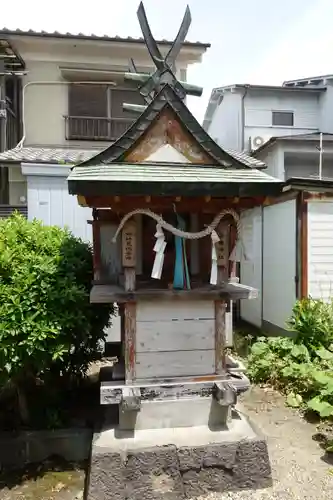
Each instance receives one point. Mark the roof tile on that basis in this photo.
(160, 172)
(91, 36)
(38, 154)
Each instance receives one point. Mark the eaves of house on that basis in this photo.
(312, 137)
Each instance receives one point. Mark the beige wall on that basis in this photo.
(46, 103)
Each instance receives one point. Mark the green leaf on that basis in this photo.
(300, 351)
(321, 377)
(259, 348)
(324, 408)
(324, 354)
(294, 400)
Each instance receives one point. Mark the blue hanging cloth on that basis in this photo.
(181, 278)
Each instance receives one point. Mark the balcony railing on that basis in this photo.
(7, 210)
(86, 128)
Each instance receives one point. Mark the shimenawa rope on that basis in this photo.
(178, 232)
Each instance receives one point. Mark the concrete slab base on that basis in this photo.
(178, 463)
(186, 412)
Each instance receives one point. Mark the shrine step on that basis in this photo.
(175, 464)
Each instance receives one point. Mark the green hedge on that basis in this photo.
(48, 328)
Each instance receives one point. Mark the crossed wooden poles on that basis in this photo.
(165, 66)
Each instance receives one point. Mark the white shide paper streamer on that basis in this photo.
(213, 272)
(159, 249)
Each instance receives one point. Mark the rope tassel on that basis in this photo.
(159, 249)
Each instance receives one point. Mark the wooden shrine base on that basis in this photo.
(227, 291)
(175, 464)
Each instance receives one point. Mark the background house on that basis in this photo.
(64, 104)
(290, 238)
(70, 91)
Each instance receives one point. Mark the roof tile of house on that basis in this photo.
(91, 36)
(39, 154)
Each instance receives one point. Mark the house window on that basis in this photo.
(95, 111)
(283, 118)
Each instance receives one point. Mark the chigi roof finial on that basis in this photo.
(165, 66)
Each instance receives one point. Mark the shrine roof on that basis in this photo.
(166, 151)
(167, 98)
(170, 179)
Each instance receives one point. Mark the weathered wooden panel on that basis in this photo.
(175, 364)
(175, 335)
(168, 130)
(230, 291)
(186, 309)
(110, 252)
(129, 244)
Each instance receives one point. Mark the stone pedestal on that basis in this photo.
(177, 463)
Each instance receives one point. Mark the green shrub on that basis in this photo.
(307, 380)
(48, 327)
(312, 321)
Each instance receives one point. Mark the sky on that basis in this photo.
(253, 41)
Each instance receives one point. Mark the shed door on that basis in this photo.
(50, 202)
(279, 263)
(320, 249)
(251, 268)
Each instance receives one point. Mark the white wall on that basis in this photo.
(49, 201)
(260, 104)
(308, 168)
(273, 157)
(326, 106)
(320, 249)
(251, 268)
(279, 262)
(226, 125)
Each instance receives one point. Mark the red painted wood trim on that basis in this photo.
(304, 246)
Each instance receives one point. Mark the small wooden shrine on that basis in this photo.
(166, 205)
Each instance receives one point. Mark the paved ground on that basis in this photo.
(299, 469)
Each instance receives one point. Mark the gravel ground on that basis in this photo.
(300, 469)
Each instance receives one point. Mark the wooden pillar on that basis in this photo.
(130, 341)
(220, 309)
(129, 317)
(303, 230)
(96, 233)
(220, 306)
